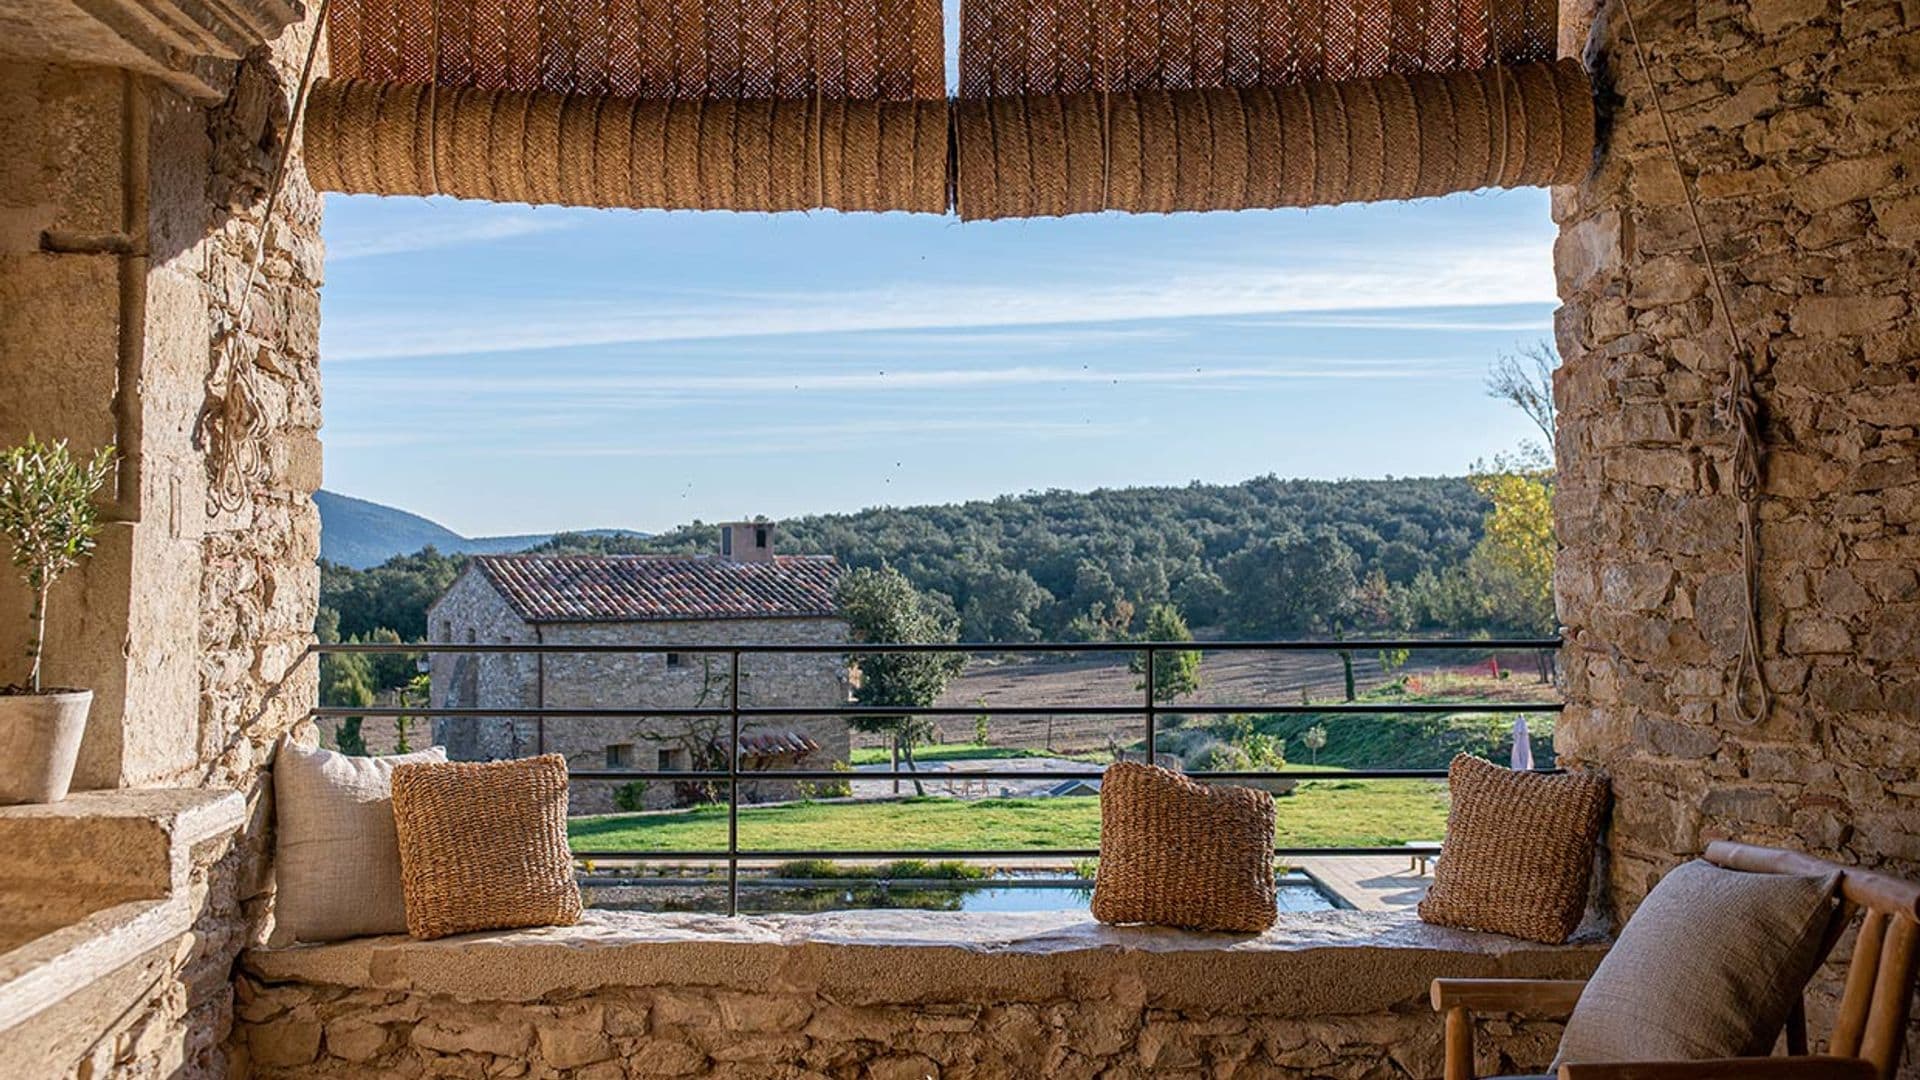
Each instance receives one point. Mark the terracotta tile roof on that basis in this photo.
(642, 588)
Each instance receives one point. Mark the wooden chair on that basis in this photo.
(1869, 1030)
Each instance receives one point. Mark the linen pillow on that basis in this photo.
(336, 858)
(1518, 855)
(1708, 967)
(483, 846)
(1177, 853)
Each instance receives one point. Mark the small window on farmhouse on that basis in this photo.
(760, 538)
(726, 540)
(472, 636)
(620, 756)
(674, 660)
(446, 631)
(673, 760)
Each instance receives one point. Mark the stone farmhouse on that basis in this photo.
(744, 594)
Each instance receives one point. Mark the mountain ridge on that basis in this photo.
(361, 533)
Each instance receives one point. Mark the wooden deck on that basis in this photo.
(1368, 882)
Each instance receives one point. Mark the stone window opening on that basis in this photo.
(675, 759)
(620, 756)
(675, 660)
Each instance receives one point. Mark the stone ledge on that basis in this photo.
(92, 883)
(1335, 963)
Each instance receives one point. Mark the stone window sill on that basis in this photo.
(1328, 963)
(92, 883)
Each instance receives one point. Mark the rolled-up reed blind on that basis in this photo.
(1074, 106)
(578, 150)
(1361, 140)
(675, 104)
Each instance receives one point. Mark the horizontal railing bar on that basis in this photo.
(720, 777)
(783, 855)
(1063, 647)
(1420, 708)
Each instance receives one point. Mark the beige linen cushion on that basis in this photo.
(336, 858)
(1519, 851)
(483, 846)
(1708, 967)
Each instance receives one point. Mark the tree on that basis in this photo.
(1289, 585)
(347, 738)
(1000, 604)
(1514, 560)
(882, 607)
(1175, 673)
(344, 684)
(1526, 381)
(1315, 740)
(48, 518)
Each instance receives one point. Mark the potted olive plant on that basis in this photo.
(47, 515)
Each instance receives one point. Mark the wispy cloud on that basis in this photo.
(367, 244)
(1461, 321)
(610, 388)
(793, 438)
(1478, 279)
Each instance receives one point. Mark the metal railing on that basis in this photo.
(1149, 710)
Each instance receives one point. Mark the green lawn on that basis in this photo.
(1320, 813)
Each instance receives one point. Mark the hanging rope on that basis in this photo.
(1739, 409)
(233, 424)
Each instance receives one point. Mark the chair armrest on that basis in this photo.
(1755, 1068)
(1541, 997)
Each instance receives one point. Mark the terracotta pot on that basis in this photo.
(39, 741)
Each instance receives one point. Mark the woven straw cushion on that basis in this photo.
(483, 846)
(1708, 967)
(1518, 853)
(336, 859)
(1177, 853)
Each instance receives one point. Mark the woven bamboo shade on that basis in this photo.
(866, 50)
(1073, 46)
(579, 150)
(1364, 140)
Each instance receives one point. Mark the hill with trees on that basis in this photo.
(1263, 558)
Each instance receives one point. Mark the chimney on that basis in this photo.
(747, 541)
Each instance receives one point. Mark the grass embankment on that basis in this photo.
(1421, 741)
(877, 755)
(1320, 813)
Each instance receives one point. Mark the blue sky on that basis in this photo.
(512, 369)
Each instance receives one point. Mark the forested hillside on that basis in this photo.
(1267, 558)
(1263, 558)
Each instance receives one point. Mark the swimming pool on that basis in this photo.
(1296, 893)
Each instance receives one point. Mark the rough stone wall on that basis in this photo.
(1799, 118)
(473, 611)
(167, 1015)
(127, 216)
(306, 1031)
(700, 680)
(888, 994)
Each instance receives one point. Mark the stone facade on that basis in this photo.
(1799, 118)
(128, 216)
(473, 611)
(903, 995)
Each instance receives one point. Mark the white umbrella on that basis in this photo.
(1522, 745)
